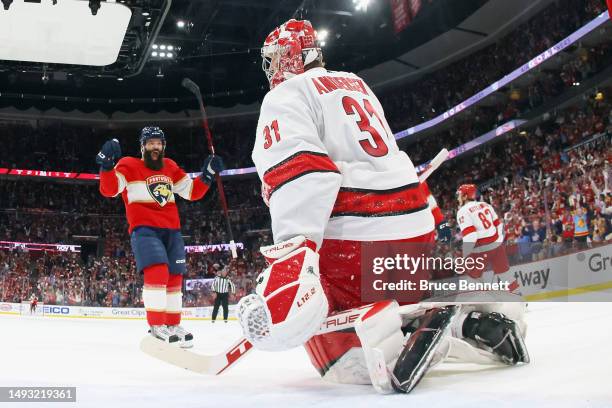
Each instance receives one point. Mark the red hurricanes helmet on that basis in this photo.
(288, 49)
(468, 190)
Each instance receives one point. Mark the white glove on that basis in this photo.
(289, 304)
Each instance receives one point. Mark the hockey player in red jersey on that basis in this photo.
(148, 186)
(334, 177)
(33, 304)
(482, 231)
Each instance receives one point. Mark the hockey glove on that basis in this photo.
(444, 232)
(289, 305)
(109, 154)
(212, 165)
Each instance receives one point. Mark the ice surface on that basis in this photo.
(570, 345)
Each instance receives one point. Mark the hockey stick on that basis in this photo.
(215, 364)
(433, 165)
(199, 363)
(195, 89)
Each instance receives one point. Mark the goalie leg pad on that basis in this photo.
(338, 357)
(359, 345)
(420, 350)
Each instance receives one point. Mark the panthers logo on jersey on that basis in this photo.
(160, 188)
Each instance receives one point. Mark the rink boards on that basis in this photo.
(120, 313)
(555, 279)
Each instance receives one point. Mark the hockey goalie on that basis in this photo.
(333, 177)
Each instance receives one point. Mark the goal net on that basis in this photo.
(26, 309)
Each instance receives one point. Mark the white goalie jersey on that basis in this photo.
(330, 166)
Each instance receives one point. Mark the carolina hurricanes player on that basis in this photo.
(148, 186)
(482, 231)
(334, 177)
(33, 304)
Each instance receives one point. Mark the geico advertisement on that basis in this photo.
(56, 310)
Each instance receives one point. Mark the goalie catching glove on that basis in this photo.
(289, 304)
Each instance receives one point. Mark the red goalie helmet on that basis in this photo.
(468, 190)
(288, 49)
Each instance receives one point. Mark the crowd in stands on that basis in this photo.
(60, 147)
(551, 183)
(445, 88)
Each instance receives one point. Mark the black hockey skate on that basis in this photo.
(418, 352)
(497, 334)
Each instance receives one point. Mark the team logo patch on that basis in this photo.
(160, 188)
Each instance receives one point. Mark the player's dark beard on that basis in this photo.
(150, 162)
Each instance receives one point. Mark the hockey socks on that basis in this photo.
(162, 296)
(174, 300)
(154, 293)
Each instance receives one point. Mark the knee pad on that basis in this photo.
(338, 357)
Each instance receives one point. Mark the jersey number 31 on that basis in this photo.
(351, 106)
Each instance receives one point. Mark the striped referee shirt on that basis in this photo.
(223, 285)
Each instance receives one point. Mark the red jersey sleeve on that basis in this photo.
(113, 182)
(184, 186)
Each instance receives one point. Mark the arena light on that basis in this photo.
(162, 51)
(180, 24)
(361, 5)
(322, 35)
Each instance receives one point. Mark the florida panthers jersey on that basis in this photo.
(480, 225)
(148, 194)
(330, 166)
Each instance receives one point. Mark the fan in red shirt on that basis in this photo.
(148, 186)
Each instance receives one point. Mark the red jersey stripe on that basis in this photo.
(379, 203)
(296, 166)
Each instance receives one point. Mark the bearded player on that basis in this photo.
(148, 186)
(482, 232)
(334, 177)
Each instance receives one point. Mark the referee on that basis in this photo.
(222, 286)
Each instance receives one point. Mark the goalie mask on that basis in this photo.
(288, 49)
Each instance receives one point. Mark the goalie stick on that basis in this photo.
(215, 364)
(433, 165)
